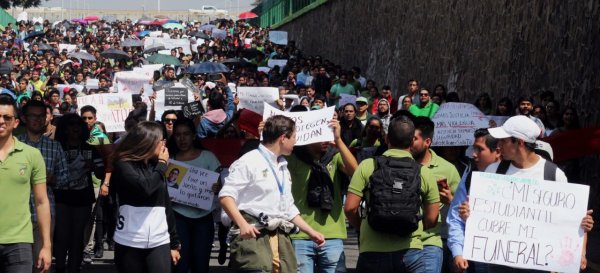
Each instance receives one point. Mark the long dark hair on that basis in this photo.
(140, 143)
(172, 144)
(69, 120)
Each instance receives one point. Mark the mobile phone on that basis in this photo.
(442, 183)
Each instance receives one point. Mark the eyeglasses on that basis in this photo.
(88, 118)
(7, 118)
(424, 95)
(170, 120)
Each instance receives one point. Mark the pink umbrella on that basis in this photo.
(247, 15)
(81, 21)
(91, 18)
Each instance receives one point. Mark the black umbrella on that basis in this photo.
(208, 68)
(199, 34)
(34, 34)
(153, 49)
(113, 53)
(5, 67)
(250, 53)
(237, 62)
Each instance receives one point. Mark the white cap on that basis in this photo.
(520, 127)
(543, 146)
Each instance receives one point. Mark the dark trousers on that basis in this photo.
(408, 260)
(15, 258)
(139, 260)
(69, 236)
(105, 220)
(196, 236)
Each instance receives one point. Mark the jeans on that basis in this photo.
(69, 236)
(408, 260)
(327, 259)
(15, 258)
(143, 260)
(433, 258)
(196, 237)
(493, 268)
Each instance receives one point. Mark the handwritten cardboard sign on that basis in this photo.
(189, 185)
(176, 96)
(253, 98)
(131, 82)
(169, 100)
(455, 124)
(278, 37)
(112, 109)
(525, 223)
(311, 126)
(192, 109)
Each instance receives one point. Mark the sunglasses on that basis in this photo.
(170, 120)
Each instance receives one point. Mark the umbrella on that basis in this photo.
(34, 34)
(160, 16)
(237, 62)
(153, 49)
(91, 18)
(6, 67)
(207, 67)
(113, 53)
(172, 21)
(219, 34)
(143, 33)
(44, 47)
(247, 15)
(81, 21)
(163, 59)
(207, 27)
(250, 53)
(172, 26)
(132, 42)
(200, 35)
(82, 55)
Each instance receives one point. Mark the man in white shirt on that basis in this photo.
(257, 197)
(517, 144)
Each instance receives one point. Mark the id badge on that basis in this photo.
(282, 203)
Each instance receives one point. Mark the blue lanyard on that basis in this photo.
(280, 184)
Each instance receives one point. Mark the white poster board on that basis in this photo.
(455, 124)
(253, 98)
(150, 42)
(346, 98)
(189, 185)
(497, 121)
(280, 63)
(525, 223)
(69, 47)
(112, 109)
(131, 82)
(311, 126)
(159, 104)
(278, 37)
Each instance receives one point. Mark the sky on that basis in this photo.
(230, 5)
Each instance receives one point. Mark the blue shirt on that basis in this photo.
(456, 225)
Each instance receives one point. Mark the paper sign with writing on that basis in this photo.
(311, 126)
(346, 98)
(176, 96)
(70, 48)
(192, 109)
(455, 124)
(91, 84)
(525, 223)
(112, 109)
(150, 42)
(131, 82)
(160, 103)
(278, 37)
(280, 63)
(189, 185)
(253, 98)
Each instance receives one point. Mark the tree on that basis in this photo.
(6, 4)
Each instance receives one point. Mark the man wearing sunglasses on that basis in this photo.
(426, 108)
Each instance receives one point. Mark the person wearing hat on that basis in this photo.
(517, 143)
(363, 114)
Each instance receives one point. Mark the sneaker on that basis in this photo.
(99, 252)
(87, 258)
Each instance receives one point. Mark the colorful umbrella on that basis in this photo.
(172, 26)
(247, 15)
(91, 18)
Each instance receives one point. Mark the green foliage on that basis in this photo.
(6, 4)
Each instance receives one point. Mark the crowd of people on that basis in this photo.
(286, 207)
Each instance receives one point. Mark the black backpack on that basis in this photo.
(394, 200)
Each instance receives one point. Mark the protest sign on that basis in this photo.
(281, 63)
(278, 37)
(131, 82)
(525, 223)
(264, 69)
(253, 98)
(455, 124)
(175, 99)
(112, 109)
(311, 126)
(497, 121)
(150, 42)
(189, 185)
(192, 109)
(91, 84)
(346, 98)
(176, 96)
(69, 47)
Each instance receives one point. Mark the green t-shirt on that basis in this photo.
(428, 111)
(23, 168)
(439, 167)
(337, 90)
(331, 224)
(373, 241)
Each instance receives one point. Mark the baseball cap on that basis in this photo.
(544, 149)
(520, 127)
(362, 99)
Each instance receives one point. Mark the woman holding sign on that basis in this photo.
(195, 226)
(145, 237)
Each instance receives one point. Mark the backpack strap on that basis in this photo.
(503, 167)
(550, 171)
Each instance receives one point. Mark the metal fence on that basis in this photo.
(274, 13)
